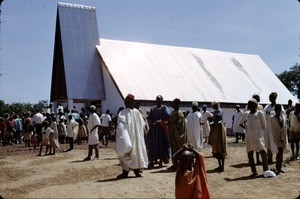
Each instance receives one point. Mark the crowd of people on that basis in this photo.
(267, 131)
(144, 140)
(43, 126)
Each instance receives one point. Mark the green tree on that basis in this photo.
(21, 108)
(40, 105)
(3, 107)
(291, 79)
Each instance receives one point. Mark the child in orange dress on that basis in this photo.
(191, 180)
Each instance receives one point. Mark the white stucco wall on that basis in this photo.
(113, 99)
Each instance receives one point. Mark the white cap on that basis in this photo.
(195, 103)
(93, 107)
(269, 174)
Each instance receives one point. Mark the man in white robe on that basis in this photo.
(130, 143)
(205, 122)
(236, 128)
(93, 124)
(194, 132)
(269, 140)
(255, 124)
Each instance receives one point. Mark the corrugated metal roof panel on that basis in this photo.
(147, 70)
(79, 36)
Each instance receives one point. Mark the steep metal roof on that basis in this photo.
(147, 70)
(76, 70)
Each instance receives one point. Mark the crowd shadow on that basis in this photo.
(110, 158)
(214, 171)
(162, 169)
(209, 156)
(115, 179)
(240, 165)
(243, 178)
(77, 161)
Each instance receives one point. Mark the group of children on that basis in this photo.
(49, 137)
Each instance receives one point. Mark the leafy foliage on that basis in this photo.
(21, 108)
(291, 79)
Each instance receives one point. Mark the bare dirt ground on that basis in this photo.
(65, 175)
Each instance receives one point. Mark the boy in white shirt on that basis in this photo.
(71, 128)
(93, 124)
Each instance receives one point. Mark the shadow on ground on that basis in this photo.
(243, 178)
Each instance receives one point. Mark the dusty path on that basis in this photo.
(65, 175)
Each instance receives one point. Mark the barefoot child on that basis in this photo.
(45, 137)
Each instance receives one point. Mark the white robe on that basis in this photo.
(55, 134)
(131, 152)
(204, 120)
(294, 122)
(269, 139)
(93, 121)
(255, 129)
(72, 128)
(279, 133)
(194, 132)
(236, 128)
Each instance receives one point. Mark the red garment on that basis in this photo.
(12, 122)
(163, 124)
(192, 184)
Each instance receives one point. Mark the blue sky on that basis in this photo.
(268, 28)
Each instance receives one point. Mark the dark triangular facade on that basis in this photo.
(58, 83)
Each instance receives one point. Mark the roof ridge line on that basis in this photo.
(62, 4)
